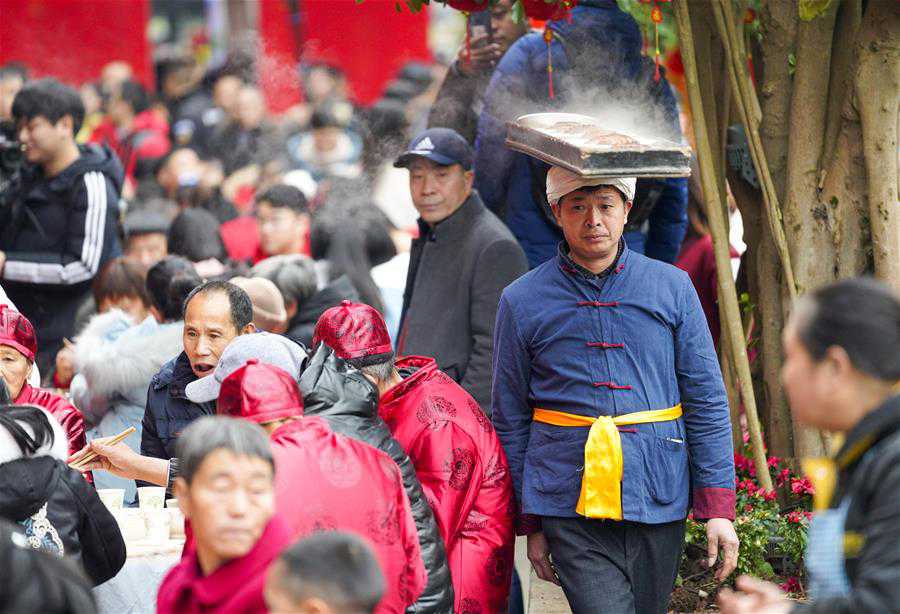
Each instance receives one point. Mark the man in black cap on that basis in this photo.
(461, 262)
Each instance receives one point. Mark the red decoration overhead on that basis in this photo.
(548, 11)
(469, 6)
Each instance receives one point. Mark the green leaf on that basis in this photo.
(518, 12)
(810, 9)
(792, 64)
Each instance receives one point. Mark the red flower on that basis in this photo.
(769, 495)
(783, 476)
(774, 461)
(798, 516)
(792, 585)
(748, 508)
(802, 486)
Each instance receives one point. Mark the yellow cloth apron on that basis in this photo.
(601, 484)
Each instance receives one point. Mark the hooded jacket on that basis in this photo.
(343, 396)
(57, 235)
(464, 475)
(596, 53)
(302, 325)
(115, 361)
(58, 510)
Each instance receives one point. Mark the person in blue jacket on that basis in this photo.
(609, 403)
(598, 70)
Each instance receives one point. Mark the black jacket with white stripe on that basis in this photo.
(57, 234)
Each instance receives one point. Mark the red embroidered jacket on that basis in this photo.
(325, 481)
(465, 476)
(67, 414)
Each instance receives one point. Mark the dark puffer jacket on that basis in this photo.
(74, 514)
(342, 395)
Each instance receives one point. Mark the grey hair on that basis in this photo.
(210, 433)
(379, 367)
(294, 275)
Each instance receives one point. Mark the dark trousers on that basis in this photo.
(614, 567)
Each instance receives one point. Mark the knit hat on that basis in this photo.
(17, 332)
(268, 304)
(353, 330)
(260, 393)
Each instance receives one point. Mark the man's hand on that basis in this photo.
(122, 461)
(539, 555)
(482, 56)
(754, 597)
(720, 534)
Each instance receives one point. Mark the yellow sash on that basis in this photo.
(601, 484)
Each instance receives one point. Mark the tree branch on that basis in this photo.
(849, 17)
(718, 229)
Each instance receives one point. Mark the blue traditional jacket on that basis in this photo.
(635, 339)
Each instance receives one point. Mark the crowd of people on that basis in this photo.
(364, 348)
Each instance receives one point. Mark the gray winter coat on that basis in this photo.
(457, 271)
(116, 360)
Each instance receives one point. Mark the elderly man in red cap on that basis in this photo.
(327, 482)
(453, 446)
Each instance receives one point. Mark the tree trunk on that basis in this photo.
(806, 219)
(878, 96)
(779, 22)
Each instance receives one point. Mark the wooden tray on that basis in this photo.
(580, 144)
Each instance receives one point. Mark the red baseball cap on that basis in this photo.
(260, 393)
(353, 330)
(17, 332)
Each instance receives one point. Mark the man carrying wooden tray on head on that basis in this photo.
(609, 402)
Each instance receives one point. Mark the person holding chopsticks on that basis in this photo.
(610, 405)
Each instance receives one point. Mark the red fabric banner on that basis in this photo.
(73, 39)
(369, 41)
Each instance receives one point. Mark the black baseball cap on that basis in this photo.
(441, 145)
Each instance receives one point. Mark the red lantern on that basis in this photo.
(469, 6)
(548, 11)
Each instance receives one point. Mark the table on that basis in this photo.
(133, 590)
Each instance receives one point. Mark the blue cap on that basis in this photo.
(441, 145)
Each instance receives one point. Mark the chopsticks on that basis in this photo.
(91, 455)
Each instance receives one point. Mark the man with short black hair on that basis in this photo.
(458, 266)
(325, 573)
(58, 221)
(226, 490)
(282, 215)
